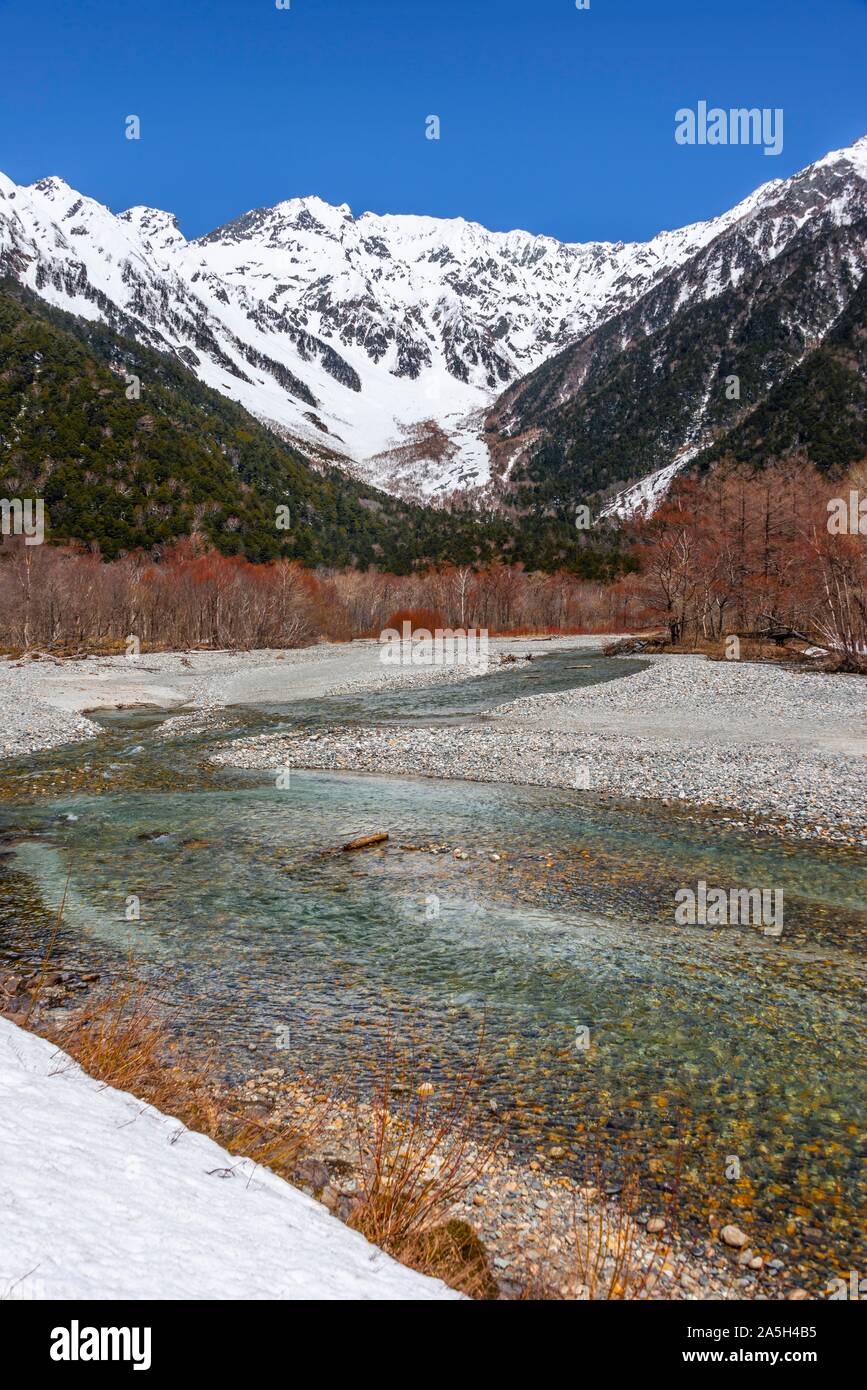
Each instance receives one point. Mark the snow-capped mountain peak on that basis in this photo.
(157, 229)
(854, 155)
(377, 339)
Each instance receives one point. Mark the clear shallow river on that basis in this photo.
(704, 1043)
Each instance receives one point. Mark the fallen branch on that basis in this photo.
(365, 841)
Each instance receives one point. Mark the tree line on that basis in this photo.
(733, 552)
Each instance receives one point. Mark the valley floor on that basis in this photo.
(43, 700)
(782, 749)
(759, 744)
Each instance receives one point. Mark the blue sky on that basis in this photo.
(552, 119)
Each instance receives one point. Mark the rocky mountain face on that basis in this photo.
(433, 357)
(129, 472)
(625, 408)
(816, 413)
(126, 471)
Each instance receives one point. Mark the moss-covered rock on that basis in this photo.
(454, 1253)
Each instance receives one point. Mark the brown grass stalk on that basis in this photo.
(419, 1154)
(124, 1039)
(614, 1258)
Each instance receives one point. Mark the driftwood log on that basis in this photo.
(365, 841)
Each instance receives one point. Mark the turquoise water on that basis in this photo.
(703, 1042)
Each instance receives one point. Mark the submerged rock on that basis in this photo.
(733, 1236)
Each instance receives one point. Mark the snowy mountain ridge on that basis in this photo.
(376, 341)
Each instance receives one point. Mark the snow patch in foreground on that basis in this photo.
(105, 1197)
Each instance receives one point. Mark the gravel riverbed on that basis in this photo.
(28, 724)
(534, 1220)
(44, 698)
(757, 743)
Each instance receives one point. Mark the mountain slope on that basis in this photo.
(817, 414)
(378, 341)
(182, 459)
(140, 473)
(382, 342)
(350, 333)
(694, 356)
(650, 408)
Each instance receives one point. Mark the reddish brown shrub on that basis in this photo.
(427, 619)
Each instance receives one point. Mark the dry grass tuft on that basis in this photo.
(615, 1257)
(454, 1253)
(124, 1039)
(418, 1155)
